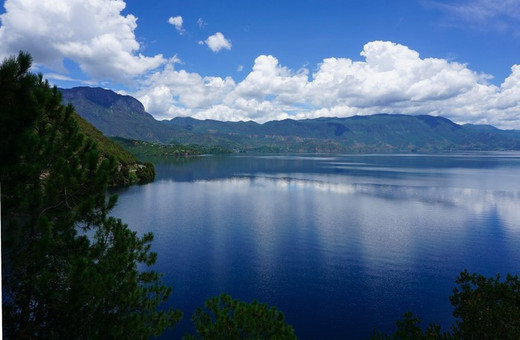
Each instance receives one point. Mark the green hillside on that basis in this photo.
(129, 169)
(153, 151)
(381, 133)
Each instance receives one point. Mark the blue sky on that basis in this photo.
(264, 60)
(302, 33)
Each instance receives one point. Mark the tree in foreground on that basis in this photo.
(69, 270)
(409, 328)
(228, 318)
(485, 308)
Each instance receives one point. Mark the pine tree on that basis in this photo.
(69, 270)
(228, 318)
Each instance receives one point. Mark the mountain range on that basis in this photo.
(124, 116)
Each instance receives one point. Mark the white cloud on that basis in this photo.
(201, 23)
(501, 15)
(64, 78)
(61, 77)
(217, 41)
(270, 80)
(171, 92)
(392, 78)
(92, 33)
(391, 74)
(177, 23)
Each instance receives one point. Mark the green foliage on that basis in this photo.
(409, 329)
(121, 301)
(105, 145)
(69, 271)
(129, 169)
(134, 173)
(145, 172)
(15, 82)
(485, 308)
(149, 150)
(227, 318)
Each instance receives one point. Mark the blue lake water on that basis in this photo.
(342, 244)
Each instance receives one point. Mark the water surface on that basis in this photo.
(341, 244)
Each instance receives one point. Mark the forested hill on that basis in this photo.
(124, 116)
(374, 133)
(129, 169)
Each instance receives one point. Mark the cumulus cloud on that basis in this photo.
(391, 78)
(391, 74)
(269, 79)
(172, 92)
(92, 33)
(217, 42)
(177, 23)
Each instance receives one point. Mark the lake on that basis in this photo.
(342, 244)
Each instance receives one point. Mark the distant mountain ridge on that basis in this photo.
(374, 133)
(117, 115)
(124, 116)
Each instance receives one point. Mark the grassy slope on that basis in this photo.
(105, 145)
(130, 170)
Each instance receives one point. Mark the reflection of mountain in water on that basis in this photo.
(390, 166)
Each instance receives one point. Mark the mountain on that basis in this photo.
(117, 115)
(124, 116)
(129, 169)
(374, 133)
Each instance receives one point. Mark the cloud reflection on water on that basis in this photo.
(477, 201)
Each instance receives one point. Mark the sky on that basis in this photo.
(267, 60)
